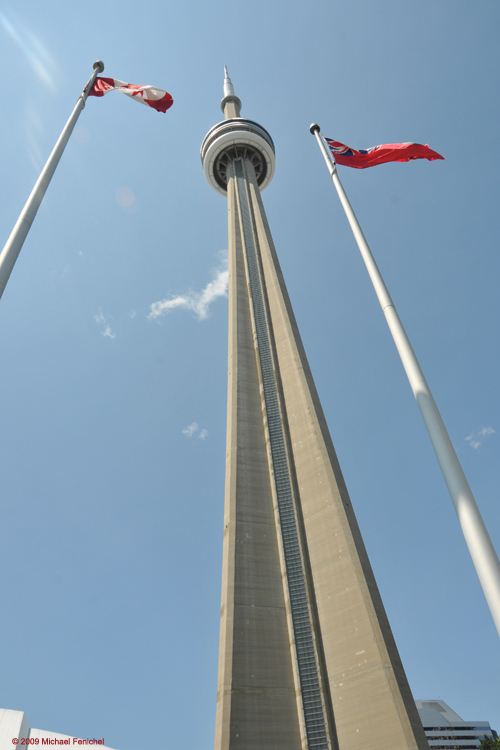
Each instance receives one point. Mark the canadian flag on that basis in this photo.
(149, 95)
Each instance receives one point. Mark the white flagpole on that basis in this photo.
(15, 242)
(478, 541)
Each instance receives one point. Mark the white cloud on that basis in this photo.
(475, 439)
(108, 332)
(487, 431)
(190, 429)
(473, 443)
(198, 302)
(101, 321)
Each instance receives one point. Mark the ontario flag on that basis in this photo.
(149, 95)
(370, 157)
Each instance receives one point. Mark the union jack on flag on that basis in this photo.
(370, 157)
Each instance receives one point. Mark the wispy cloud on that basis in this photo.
(192, 429)
(198, 302)
(475, 439)
(108, 332)
(101, 321)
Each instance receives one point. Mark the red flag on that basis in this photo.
(370, 157)
(149, 95)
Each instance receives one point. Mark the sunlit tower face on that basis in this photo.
(307, 658)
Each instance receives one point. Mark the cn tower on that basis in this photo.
(307, 659)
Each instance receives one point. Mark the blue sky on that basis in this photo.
(112, 444)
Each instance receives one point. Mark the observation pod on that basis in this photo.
(236, 138)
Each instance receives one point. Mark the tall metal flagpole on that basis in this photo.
(15, 242)
(478, 541)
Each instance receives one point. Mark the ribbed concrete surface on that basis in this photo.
(256, 702)
(371, 699)
(368, 702)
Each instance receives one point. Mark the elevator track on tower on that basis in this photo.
(314, 716)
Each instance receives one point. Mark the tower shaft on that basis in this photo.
(256, 700)
(307, 658)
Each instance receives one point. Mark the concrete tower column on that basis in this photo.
(307, 659)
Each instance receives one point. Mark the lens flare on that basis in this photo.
(36, 53)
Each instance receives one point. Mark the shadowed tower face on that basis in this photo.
(307, 658)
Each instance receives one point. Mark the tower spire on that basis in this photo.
(228, 86)
(231, 104)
